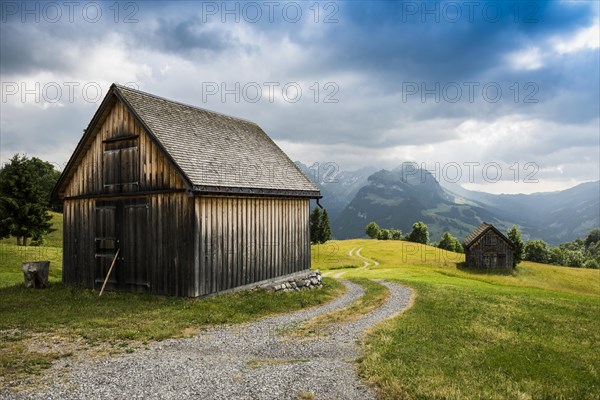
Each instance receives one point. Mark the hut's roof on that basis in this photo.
(215, 153)
(474, 236)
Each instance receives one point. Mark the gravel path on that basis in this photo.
(250, 361)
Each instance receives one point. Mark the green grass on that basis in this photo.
(375, 295)
(532, 333)
(334, 255)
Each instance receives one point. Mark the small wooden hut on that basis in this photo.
(195, 202)
(486, 247)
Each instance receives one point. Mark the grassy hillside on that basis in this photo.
(529, 333)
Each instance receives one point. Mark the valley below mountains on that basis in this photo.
(399, 197)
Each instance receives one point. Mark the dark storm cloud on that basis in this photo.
(381, 38)
(372, 51)
(46, 47)
(186, 36)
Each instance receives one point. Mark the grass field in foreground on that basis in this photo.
(532, 333)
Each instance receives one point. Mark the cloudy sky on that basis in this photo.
(501, 96)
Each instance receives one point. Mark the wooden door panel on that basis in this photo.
(122, 225)
(135, 245)
(106, 242)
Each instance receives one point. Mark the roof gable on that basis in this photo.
(213, 153)
(88, 144)
(216, 152)
(481, 230)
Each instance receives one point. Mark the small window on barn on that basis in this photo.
(120, 164)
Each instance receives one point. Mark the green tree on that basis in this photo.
(48, 176)
(514, 235)
(384, 234)
(574, 258)
(395, 234)
(576, 245)
(537, 251)
(324, 228)
(372, 230)
(579, 252)
(556, 256)
(450, 243)
(5, 220)
(593, 251)
(315, 225)
(24, 200)
(593, 237)
(419, 233)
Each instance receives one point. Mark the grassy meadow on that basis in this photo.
(531, 333)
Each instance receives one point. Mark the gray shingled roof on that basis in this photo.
(479, 231)
(216, 152)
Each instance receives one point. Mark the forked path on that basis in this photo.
(250, 361)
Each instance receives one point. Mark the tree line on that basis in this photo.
(580, 253)
(418, 234)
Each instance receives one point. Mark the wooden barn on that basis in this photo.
(486, 247)
(193, 201)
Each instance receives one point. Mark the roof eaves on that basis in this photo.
(227, 190)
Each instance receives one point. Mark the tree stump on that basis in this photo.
(36, 274)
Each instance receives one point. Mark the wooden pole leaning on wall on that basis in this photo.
(109, 271)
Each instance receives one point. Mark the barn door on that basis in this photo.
(107, 243)
(122, 225)
(134, 250)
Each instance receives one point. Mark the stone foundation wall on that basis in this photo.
(301, 281)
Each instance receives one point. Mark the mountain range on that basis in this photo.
(399, 197)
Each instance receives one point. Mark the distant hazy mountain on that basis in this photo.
(555, 217)
(402, 196)
(337, 187)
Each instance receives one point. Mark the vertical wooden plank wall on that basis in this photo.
(170, 244)
(242, 240)
(79, 242)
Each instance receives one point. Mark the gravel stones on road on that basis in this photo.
(256, 360)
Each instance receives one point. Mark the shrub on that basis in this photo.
(419, 233)
(372, 230)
